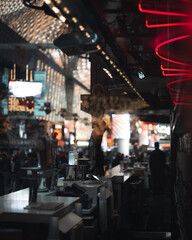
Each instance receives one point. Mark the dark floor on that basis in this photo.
(154, 221)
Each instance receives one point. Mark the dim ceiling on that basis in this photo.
(121, 29)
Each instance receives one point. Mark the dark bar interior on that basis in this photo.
(95, 119)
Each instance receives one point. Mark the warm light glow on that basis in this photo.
(108, 73)
(87, 35)
(47, 1)
(118, 70)
(74, 19)
(81, 28)
(62, 18)
(56, 10)
(103, 53)
(14, 71)
(58, 133)
(66, 10)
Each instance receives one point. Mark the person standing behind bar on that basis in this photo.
(99, 128)
(157, 164)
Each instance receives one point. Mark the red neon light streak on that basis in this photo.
(167, 42)
(176, 103)
(174, 69)
(174, 74)
(161, 12)
(177, 81)
(179, 97)
(165, 24)
(182, 97)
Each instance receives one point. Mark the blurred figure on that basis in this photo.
(4, 172)
(108, 159)
(119, 157)
(157, 164)
(99, 128)
(17, 171)
(61, 159)
(135, 150)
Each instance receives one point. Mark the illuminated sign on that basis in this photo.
(57, 133)
(15, 105)
(22, 89)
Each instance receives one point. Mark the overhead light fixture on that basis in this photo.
(47, 1)
(62, 18)
(66, 10)
(74, 19)
(140, 73)
(108, 73)
(87, 35)
(55, 9)
(81, 28)
(103, 53)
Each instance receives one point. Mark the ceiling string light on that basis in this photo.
(57, 10)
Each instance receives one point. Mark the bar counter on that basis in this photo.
(13, 207)
(123, 181)
(119, 174)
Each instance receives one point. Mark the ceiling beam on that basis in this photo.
(31, 46)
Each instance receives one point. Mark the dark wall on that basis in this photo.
(181, 156)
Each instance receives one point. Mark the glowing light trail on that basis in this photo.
(175, 69)
(167, 42)
(179, 96)
(161, 12)
(166, 24)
